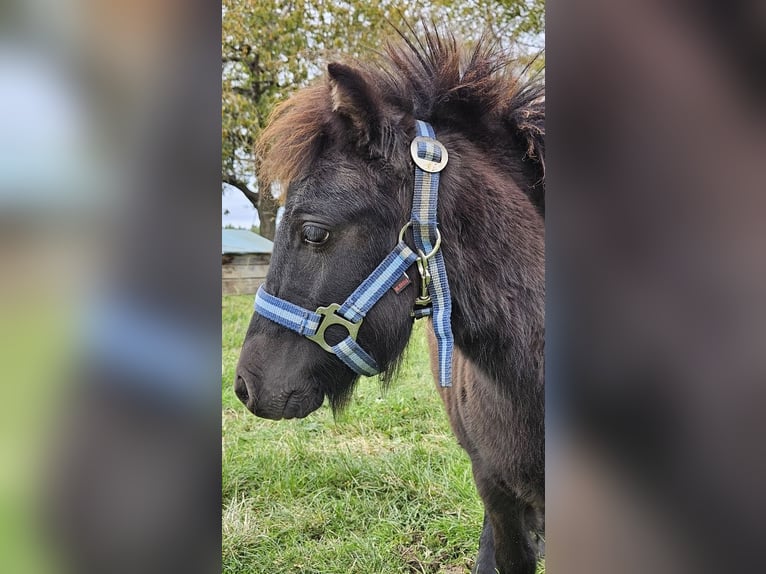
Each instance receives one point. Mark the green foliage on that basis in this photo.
(272, 47)
(383, 489)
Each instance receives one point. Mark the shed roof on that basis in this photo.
(244, 241)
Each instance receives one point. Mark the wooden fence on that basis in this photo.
(242, 274)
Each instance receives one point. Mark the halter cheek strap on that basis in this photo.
(430, 157)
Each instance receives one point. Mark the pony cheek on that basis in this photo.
(389, 326)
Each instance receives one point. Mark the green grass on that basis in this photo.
(383, 489)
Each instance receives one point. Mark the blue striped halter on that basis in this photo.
(434, 300)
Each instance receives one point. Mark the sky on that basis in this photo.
(241, 212)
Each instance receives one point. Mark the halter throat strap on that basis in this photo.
(430, 157)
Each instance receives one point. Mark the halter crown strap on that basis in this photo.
(430, 157)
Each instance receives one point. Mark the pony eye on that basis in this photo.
(314, 234)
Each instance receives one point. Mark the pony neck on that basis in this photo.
(494, 251)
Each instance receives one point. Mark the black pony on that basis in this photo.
(342, 149)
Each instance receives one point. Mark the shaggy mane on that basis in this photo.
(437, 80)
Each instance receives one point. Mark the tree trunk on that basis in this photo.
(267, 210)
(264, 203)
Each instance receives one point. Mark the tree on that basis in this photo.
(260, 51)
(271, 47)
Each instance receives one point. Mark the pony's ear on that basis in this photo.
(356, 100)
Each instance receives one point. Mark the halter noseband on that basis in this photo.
(430, 157)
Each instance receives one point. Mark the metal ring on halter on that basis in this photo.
(436, 245)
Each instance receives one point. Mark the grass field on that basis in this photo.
(382, 489)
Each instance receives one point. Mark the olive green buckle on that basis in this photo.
(330, 318)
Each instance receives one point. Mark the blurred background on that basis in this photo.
(109, 286)
(656, 300)
(110, 334)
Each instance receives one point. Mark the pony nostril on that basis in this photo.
(240, 389)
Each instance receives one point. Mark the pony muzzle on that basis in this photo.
(288, 403)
